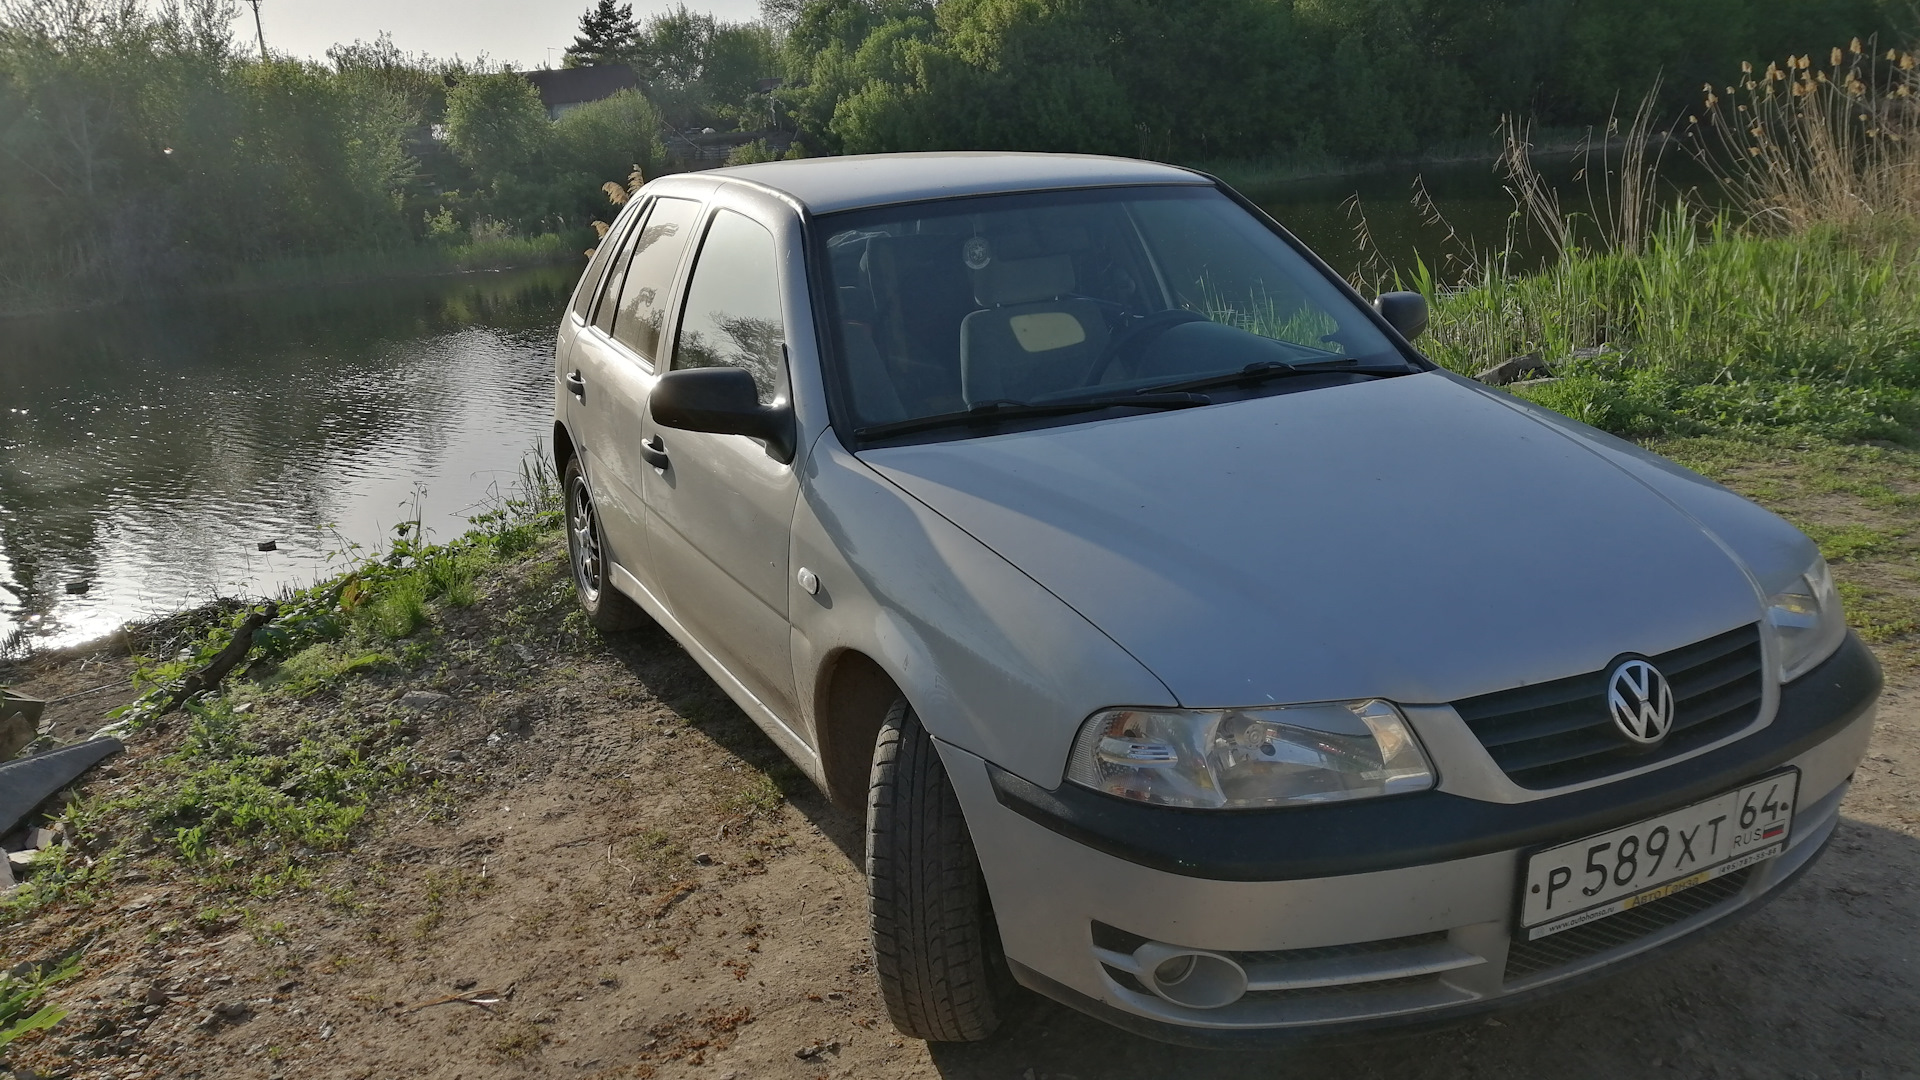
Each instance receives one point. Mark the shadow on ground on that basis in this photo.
(665, 670)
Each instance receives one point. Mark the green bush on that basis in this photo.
(1247, 79)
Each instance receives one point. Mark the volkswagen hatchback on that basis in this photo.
(1201, 655)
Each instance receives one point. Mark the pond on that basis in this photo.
(146, 452)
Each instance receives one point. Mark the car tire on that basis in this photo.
(936, 949)
(607, 608)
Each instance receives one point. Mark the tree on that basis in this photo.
(607, 36)
(496, 123)
(602, 140)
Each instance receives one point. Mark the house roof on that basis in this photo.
(828, 184)
(571, 86)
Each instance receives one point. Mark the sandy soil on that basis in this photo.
(615, 890)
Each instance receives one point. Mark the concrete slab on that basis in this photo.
(30, 781)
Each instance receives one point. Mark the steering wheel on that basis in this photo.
(1132, 341)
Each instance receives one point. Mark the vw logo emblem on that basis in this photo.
(1641, 702)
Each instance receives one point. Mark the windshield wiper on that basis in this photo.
(993, 411)
(1268, 369)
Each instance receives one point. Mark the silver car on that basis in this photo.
(1201, 656)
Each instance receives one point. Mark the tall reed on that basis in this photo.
(1802, 145)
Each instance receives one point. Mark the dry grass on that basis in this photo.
(1801, 145)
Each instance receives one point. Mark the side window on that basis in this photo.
(649, 274)
(732, 316)
(590, 281)
(617, 273)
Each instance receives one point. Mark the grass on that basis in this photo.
(1707, 329)
(1797, 311)
(292, 757)
(22, 997)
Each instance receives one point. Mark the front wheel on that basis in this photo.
(936, 949)
(607, 608)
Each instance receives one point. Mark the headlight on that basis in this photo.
(1240, 758)
(1807, 621)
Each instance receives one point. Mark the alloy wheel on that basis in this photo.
(584, 540)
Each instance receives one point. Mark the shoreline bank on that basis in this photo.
(349, 269)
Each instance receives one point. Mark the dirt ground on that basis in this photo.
(620, 877)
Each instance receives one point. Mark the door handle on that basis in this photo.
(577, 385)
(654, 452)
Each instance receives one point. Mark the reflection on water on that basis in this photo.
(1472, 200)
(147, 452)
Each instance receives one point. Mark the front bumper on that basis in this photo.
(1356, 916)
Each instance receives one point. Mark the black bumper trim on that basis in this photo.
(1433, 826)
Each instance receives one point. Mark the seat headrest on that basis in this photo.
(1022, 281)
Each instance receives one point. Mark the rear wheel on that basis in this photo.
(935, 946)
(607, 608)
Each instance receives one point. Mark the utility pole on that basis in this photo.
(257, 31)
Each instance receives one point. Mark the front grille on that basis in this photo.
(1557, 733)
(1528, 958)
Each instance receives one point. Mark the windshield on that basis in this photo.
(1040, 299)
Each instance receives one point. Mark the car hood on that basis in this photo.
(1414, 538)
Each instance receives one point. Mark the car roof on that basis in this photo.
(828, 184)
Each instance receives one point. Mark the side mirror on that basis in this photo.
(723, 401)
(1404, 311)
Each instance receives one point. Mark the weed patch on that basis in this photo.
(22, 999)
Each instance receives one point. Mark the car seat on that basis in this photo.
(1031, 338)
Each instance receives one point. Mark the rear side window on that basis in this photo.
(732, 316)
(590, 281)
(649, 274)
(616, 273)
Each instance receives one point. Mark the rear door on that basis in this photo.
(721, 510)
(618, 358)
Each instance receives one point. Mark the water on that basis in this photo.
(1475, 212)
(148, 451)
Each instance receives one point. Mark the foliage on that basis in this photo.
(532, 172)
(607, 34)
(702, 71)
(141, 150)
(495, 123)
(752, 153)
(1216, 79)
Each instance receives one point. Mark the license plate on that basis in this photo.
(1605, 874)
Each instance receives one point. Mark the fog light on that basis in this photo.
(1193, 978)
(1173, 970)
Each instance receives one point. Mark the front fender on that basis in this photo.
(991, 661)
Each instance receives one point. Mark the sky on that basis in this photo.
(528, 33)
